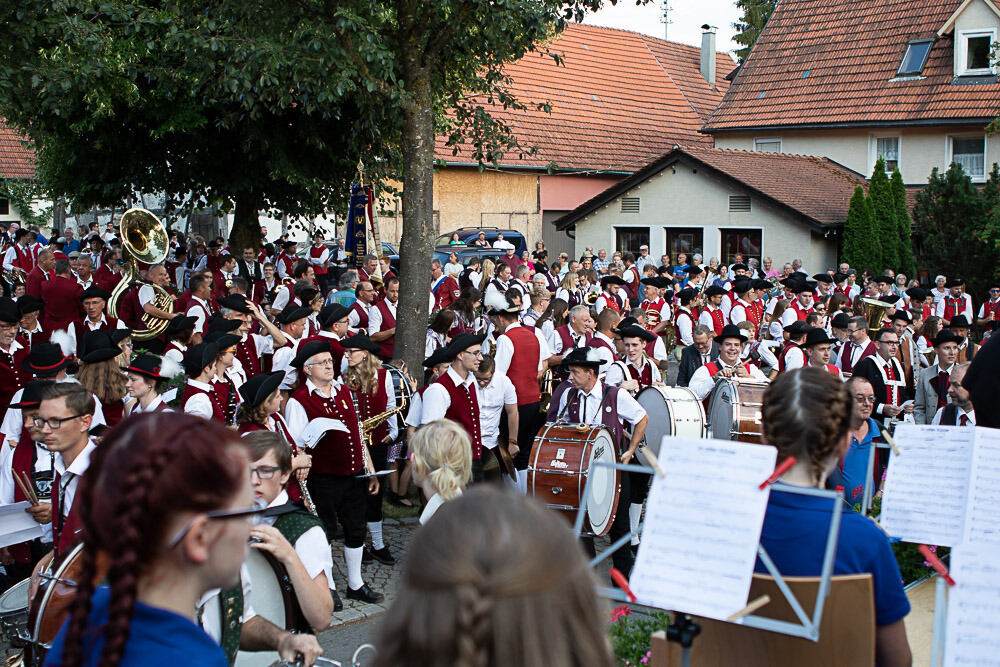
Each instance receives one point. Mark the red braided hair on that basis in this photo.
(149, 468)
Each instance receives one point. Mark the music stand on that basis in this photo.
(808, 626)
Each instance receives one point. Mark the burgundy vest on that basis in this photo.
(388, 322)
(571, 413)
(784, 353)
(336, 453)
(845, 355)
(12, 375)
(362, 316)
(217, 412)
(523, 371)
(645, 378)
(64, 536)
(246, 352)
(464, 409)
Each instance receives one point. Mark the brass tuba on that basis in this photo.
(875, 311)
(144, 239)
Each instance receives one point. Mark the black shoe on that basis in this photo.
(366, 555)
(394, 499)
(365, 594)
(383, 556)
(338, 604)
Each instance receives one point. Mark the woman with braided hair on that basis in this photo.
(807, 415)
(168, 500)
(494, 578)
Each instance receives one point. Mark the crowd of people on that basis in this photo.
(292, 349)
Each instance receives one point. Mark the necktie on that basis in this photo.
(583, 408)
(963, 420)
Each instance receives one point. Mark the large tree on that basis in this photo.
(751, 23)
(884, 227)
(261, 103)
(861, 246)
(904, 225)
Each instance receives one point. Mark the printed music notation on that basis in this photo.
(971, 637)
(944, 487)
(702, 527)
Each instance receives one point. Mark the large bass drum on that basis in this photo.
(562, 459)
(735, 409)
(272, 597)
(673, 411)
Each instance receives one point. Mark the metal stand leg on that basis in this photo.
(683, 631)
(940, 620)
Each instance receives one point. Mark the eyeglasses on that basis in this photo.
(483, 381)
(55, 423)
(245, 513)
(264, 472)
(477, 353)
(321, 364)
(864, 399)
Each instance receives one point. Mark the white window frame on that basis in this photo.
(769, 140)
(950, 153)
(873, 151)
(962, 46)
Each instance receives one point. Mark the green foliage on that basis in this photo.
(904, 225)
(630, 634)
(21, 193)
(861, 245)
(955, 227)
(751, 23)
(883, 209)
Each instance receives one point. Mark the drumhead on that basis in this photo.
(603, 499)
(720, 409)
(268, 601)
(399, 384)
(673, 411)
(15, 599)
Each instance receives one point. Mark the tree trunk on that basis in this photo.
(246, 223)
(419, 230)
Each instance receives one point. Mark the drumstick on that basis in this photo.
(891, 443)
(750, 608)
(653, 462)
(31, 487)
(24, 490)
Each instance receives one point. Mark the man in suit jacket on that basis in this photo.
(933, 381)
(695, 356)
(61, 295)
(886, 376)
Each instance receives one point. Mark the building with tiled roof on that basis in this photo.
(855, 79)
(618, 100)
(16, 161)
(720, 202)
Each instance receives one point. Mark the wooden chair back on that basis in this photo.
(846, 637)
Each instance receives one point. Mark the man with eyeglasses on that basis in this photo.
(885, 374)
(933, 382)
(857, 346)
(959, 411)
(454, 396)
(851, 473)
(357, 318)
(321, 418)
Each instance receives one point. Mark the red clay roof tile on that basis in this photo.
(16, 161)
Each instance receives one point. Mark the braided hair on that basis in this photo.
(494, 578)
(807, 414)
(149, 468)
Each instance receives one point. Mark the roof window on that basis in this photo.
(915, 57)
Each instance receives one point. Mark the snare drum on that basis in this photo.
(50, 606)
(14, 611)
(561, 462)
(735, 409)
(272, 597)
(673, 411)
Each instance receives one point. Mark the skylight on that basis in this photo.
(915, 57)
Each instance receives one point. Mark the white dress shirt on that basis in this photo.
(492, 400)
(617, 372)
(702, 382)
(76, 469)
(375, 317)
(200, 404)
(312, 547)
(971, 414)
(437, 400)
(505, 351)
(627, 407)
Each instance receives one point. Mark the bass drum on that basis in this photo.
(272, 597)
(673, 411)
(400, 385)
(735, 409)
(562, 460)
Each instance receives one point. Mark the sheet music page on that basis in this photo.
(972, 636)
(982, 515)
(16, 525)
(702, 526)
(926, 487)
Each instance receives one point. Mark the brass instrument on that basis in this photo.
(144, 239)
(929, 355)
(875, 311)
(546, 385)
(13, 278)
(590, 298)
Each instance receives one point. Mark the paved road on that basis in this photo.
(339, 643)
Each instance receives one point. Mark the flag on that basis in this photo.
(362, 237)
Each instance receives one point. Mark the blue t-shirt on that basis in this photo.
(794, 535)
(157, 638)
(851, 472)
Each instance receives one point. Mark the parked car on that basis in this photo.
(469, 234)
(465, 253)
(388, 250)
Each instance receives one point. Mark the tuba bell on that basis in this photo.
(875, 311)
(144, 239)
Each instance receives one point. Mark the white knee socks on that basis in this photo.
(634, 514)
(375, 528)
(353, 558)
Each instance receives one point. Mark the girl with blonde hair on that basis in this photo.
(489, 273)
(441, 456)
(569, 290)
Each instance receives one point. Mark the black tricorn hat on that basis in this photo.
(732, 331)
(817, 336)
(635, 331)
(309, 350)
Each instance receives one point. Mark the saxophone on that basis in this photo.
(369, 425)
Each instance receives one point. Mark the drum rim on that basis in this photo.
(47, 596)
(616, 487)
(26, 583)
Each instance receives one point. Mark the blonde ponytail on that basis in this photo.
(442, 452)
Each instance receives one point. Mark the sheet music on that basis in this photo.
(16, 525)
(982, 519)
(702, 527)
(972, 636)
(926, 487)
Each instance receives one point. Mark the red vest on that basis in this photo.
(336, 453)
(464, 409)
(784, 353)
(362, 316)
(388, 322)
(594, 341)
(846, 291)
(25, 258)
(718, 319)
(12, 375)
(64, 536)
(197, 305)
(246, 352)
(953, 307)
(799, 313)
(677, 316)
(845, 355)
(645, 378)
(632, 288)
(287, 261)
(653, 311)
(714, 368)
(566, 336)
(370, 405)
(218, 414)
(113, 411)
(523, 371)
(316, 252)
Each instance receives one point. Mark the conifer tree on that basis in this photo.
(861, 248)
(903, 225)
(884, 226)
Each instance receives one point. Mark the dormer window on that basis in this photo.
(975, 49)
(915, 57)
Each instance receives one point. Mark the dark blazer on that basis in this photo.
(868, 369)
(691, 361)
(983, 382)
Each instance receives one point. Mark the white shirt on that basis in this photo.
(354, 318)
(607, 356)
(281, 298)
(283, 357)
(492, 400)
(505, 351)
(965, 309)
(13, 422)
(433, 504)
(176, 354)
(971, 414)
(616, 372)
(855, 351)
(199, 404)
(315, 261)
(555, 340)
(138, 409)
(436, 400)
(85, 283)
(312, 547)
(415, 409)
(197, 313)
(685, 326)
(702, 382)
(77, 468)
(795, 358)
(209, 602)
(503, 244)
(146, 295)
(375, 317)
(627, 407)
(295, 415)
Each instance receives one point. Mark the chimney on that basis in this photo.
(708, 54)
